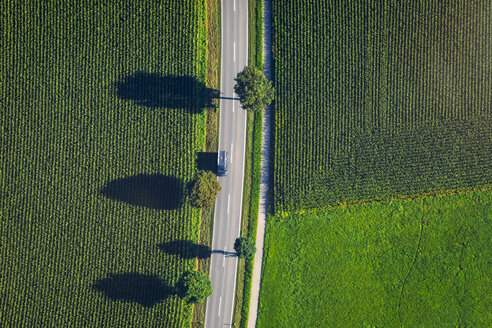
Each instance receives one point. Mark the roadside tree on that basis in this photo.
(245, 247)
(194, 287)
(253, 89)
(204, 190)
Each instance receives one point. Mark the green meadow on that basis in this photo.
(417, 263)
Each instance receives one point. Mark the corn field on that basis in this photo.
(92, 178)
(380, 99)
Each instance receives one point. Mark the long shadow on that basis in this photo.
(225, 253)
(185, 249)
(143, 289)
(149, 190)
(227, 98)
(154, 90)
(207, 161)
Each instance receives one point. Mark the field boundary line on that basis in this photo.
(387, 200)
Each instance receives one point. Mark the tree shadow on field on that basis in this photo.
(146, 290)
(207, 161)
(149, 190)
(185, 249)
(154, 90)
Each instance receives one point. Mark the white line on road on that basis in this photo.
(235, 276)
(228, 200)
(234, 5)
(233, 106)
(220, 301)
(234, 51)
(223, 261)
(239, 228)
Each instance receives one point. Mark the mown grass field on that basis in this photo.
(380, 99)
(100, 124)
(418, 263)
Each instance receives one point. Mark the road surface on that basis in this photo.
(232, 136)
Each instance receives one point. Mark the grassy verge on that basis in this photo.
(255, 19)
(253, 211)
(212, 133)
(417, 263)
(252, 168)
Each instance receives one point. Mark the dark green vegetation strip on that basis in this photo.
(255, 169)
(255, 33)
(212, 137)
(101, 121)
(418, 263)
(377, 99)
(253, 211)
(252, 168)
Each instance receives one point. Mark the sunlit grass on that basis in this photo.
(419, 263)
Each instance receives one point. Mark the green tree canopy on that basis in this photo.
(204, 190)
(253, 89)
(245, 247)
(195, 286)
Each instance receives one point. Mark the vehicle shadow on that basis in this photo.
(146, 290)
(149, 190)
(154, 90)
(207, 161)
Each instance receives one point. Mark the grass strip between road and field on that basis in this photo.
(252, 169)
(212, 133)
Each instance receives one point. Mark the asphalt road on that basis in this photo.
(232, 137)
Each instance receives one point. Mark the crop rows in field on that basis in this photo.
(380, 99)
(94, 166)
